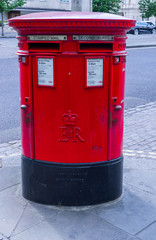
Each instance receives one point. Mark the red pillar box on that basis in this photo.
(72, 77)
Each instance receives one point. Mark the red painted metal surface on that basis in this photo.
(69, 120)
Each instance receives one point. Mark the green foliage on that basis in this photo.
(7, 5)
(147, 8)
(109, 6)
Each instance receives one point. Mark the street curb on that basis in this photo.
(141, 46)
(8, 36)
(139, 108)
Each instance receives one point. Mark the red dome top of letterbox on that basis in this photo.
(71, 22)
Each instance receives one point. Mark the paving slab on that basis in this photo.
(141, 172)
(9, 176)
(2, 237)
(11, 210)
(141, 179)
(34, 214)
(135, 211)
(148, 233)
(4, 145)
(13, 160)
(68, 225)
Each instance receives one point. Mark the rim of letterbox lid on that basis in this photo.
(71, 19)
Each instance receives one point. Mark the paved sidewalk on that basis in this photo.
(140, 129)
(130, 218)
(141, 40)
(9, 32)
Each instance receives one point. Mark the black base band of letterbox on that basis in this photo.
(71, 184)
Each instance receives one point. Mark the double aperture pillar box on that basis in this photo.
(72, 74)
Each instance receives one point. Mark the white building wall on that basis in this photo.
(86, 5)
(81, 5)
(76, 5)
(68, 5)
(49, 4)
(32, 6)
(130, 9)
